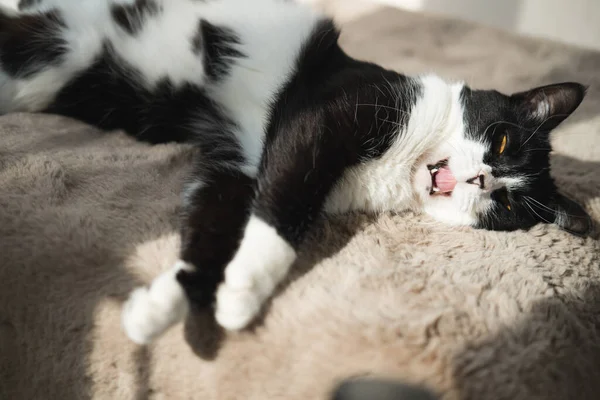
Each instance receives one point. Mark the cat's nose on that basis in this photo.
(478, 180)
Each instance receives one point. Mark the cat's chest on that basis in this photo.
(379, 185)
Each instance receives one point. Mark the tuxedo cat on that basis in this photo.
(288, 126)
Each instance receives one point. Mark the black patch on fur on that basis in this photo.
(488, 116)
(218, 47)
(30, 43)
(109, 95)
(335, 113)
(212, 227)
(132, 17)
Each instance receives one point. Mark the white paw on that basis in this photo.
(260, 264)
(237, 306)
(151, 311)
(139, 319)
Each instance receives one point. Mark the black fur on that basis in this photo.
(107, 95)
(30, 43)
(212, 228)
(317, 130)
(218, 47)
(132, 17)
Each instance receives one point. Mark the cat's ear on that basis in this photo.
(546, 107)
(570, 216)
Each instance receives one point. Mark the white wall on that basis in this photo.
(571, 21)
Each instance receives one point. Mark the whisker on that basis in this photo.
(536, 174)
(539, 204)
(539, 127)
(545, 207)
(539, 216)
(381, 106)
(507, 123)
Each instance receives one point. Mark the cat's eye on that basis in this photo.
(503, 140)
(501, 196)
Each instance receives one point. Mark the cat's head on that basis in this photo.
(492, 169)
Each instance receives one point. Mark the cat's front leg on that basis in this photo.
(297, 174)
(260, 264)
(216, 202)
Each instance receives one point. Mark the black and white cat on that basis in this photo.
(288, 126)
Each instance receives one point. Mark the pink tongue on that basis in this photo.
(444, 180)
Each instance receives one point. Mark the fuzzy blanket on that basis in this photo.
(85, 217)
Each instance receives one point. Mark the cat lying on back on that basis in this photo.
(288, 126)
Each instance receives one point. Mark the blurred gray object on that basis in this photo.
(374, 389)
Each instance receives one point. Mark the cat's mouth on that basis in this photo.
(442, 179)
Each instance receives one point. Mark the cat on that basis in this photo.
(288, 127)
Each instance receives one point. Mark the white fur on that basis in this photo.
(386, 183)
(150, 311)
(249, 90)
(260, 264)
(163, 48)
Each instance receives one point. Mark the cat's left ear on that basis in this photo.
(546, 107)
(570, 216)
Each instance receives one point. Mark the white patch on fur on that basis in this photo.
(386, 183)
(512, 182)
(150, 311)
(254, 80)
(163, 47)
(260, 264)
(465, 161)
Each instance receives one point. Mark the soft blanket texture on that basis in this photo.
(86, 216)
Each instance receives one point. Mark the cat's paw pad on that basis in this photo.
(237, 306)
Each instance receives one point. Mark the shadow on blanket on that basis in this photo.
(202, 332)
(64, 235)
(553, 353)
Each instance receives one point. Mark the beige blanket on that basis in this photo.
(85, 217)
